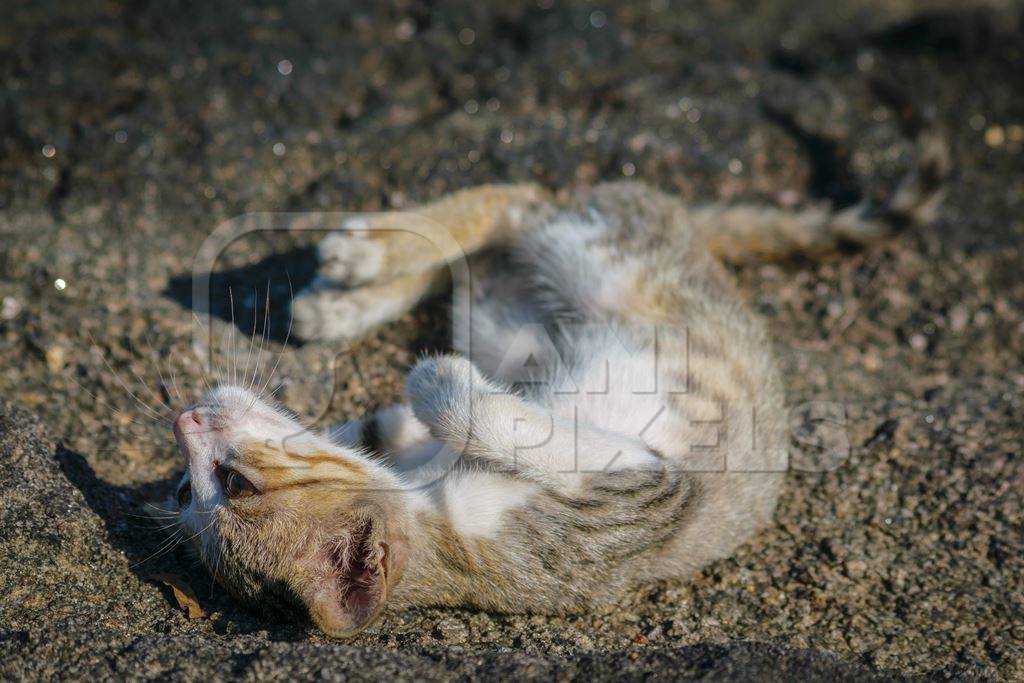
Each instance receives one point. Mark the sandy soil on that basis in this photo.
(132, 131)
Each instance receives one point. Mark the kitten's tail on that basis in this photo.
(742, 233)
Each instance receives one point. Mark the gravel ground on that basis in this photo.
(133, 130)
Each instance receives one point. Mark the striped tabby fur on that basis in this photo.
(613, 413)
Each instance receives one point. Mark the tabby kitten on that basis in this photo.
(613, 414)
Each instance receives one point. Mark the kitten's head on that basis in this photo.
(285, 519)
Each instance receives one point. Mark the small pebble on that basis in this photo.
(405, 30)
(452, 631)
(56, 358)
(995, 136)
(855, 568)
(959, 316)
(10, 308)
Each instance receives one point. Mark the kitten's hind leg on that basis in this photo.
(746, 232)
(487, 423)
(324, 312)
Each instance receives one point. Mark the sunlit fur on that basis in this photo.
(546, 467)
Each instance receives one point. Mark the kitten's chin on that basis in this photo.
(348, 573)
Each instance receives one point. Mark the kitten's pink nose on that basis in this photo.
(189, 432)
(188, 418)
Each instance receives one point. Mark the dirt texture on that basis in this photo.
(132, 131)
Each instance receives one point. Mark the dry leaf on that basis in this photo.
(183, 593)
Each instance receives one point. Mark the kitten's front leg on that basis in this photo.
(378, 266)
(486, 422)
(325, 312)
(391, 430)
(380, 246)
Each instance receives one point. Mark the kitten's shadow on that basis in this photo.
(241, 294)
(253, 295)
(150, 549)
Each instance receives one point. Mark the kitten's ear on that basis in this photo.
(349, 577)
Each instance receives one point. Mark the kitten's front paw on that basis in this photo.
(351, 257)
(442, 392)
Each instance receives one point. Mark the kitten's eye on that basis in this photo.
(235, 485)
(184, 495)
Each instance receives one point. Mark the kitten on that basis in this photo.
(613, 414)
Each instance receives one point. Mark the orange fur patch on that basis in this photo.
(281, 469)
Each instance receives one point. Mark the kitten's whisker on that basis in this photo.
(147, 384)
(223, 368)
(174, 383)
(152, 411)
(273, 389)
(201, 531)
(162, 421)
(164, 547)
(263, 339)
(211, 430)
(263, 342)
(234, 363)
(216, 571)
(176, 538)
(287, 336)
(178, 512)
(157, 507)
(252, 338)
(262, 393)
(202, 366)
(148, 515)
(155, 518)
(159, 372)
